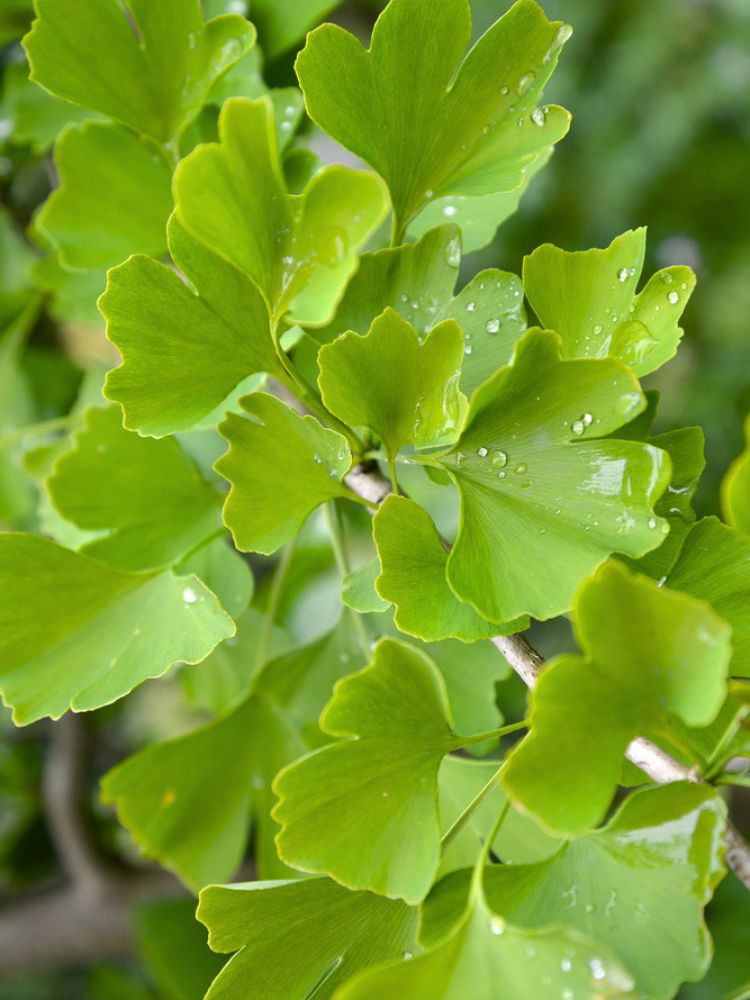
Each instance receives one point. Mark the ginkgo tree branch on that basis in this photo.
(369, 483)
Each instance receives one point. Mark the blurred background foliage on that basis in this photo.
(660, 94)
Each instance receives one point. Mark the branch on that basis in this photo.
(372, 486)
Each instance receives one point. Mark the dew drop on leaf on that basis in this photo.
(493, 325)
(189, 596)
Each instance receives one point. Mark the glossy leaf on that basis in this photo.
(114, 197)
(650, 653)
(300, 250)
(163, 57)
(638, 886)
(189, 802)
(111, 632)
(589, 298)
(418, 281)
(299, 938)
(281, 467)
(380, 782)
(543, 502)
(404, 391)
(413, 578)
(208, 335)
(146, 496)
(735, 490)
(470, 125)
(714, 565)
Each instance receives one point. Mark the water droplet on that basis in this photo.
(538, 116)
(286, 126)
(577, 427)
(493, 325)
(652, 523)
(567, 995)
(501, 474)
(520, 469)
(470, 307)
(673, 298)
(192, 39)
(525, 82)
(623, 274)
(666, 277)
(404, 297)
(587, 419)
(503, 91)
(407, 955)
(453, 253)
(566, 965)
(468, 349)
(665, 527)
(499, 459)
(482, 452)
(449, 211)
(496, 926)
(385, 795)
(597, 968)
(429, 193)
(598, 329)
(485, 130)
(189, 596)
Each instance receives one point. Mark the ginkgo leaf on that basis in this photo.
(470, 125)
(649, 653)
(114, 197)
(162, 58)
(112, 631)
(735, 489)
(498, 960)
(545, 495)
(418, 281)
(72, 294)
(413, 562)
(35, 116)
(147, 496)
(208, 335)
(380, 782)
(190, 802)
(589, 298)
(281, 23)
(404, 391)
(358, 589)
(299, 938)
(225, 572)
(281, 467)
(639, 886)
(300, 250)
(714, 565)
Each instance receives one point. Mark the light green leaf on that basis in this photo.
(299, 938)
(114, 197)
(714, 565)
(477, 217)
(281, 467)
(147, 496)
(589, 299)
(73, 294)
(418, 280)
(543, 502)
(358, 589)
(189, 802)
(380, 782)
(225, 572)
(483, 953)
(162, 58)
(413, 562)
(639, 885)
(650, 653)
(300, 250)
(75, 633)
(209, 335)
(404, 391)
(35, 116)
(470, 125)
(735, 489)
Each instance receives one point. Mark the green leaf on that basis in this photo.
(299, 938)
(147, 496)
(404, 391)
(639, 886)
(224, 571)
(114, 197)
(281, 23)
(543, 502)
(413, 578)
(73, 294)
(589, 298)
(210, 335)
(735, 489)
(380, 782)
(281, 467)
(300, 250)
(713, 565)
(189, 802)
(418, 281)
(498, 960)
(650, 653)
(470, 125)
(162, 57)
(36, 117)
(358, 589)
(75, 633)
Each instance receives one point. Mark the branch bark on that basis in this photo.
(661, 767)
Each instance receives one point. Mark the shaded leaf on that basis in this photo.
(649, 653)
(224, 571)
(281, 23)
(111, 632)
(358, 589)
(735, 489)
